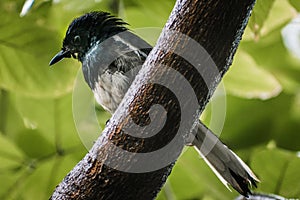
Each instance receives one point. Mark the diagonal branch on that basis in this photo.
(192, 54)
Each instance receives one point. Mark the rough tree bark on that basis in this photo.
(108, 171)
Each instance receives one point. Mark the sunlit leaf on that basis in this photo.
(267, 16)
(246, 79)
(25, 52)
(260, 13)
(271, 54)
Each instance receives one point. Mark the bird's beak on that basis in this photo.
(59, 56)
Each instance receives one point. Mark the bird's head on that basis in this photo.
(86, 31)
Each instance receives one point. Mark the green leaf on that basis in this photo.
(260, 13)
(25, 52)
(253, 122)
(52, 118)
(296, 4)
(9, 181)
(40, 180)
(191, 178)
(277, 170)
(11, 162)
(147, 13)
(280, 14)
(10, 155)
(290, 183)
(88, 116)
(270, 53)
(149, 34)
(267, 16)
(11, 121)
(295, 109)
(34, 144)
(247, 80)
(286, 133)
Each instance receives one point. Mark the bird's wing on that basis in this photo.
(124, 52)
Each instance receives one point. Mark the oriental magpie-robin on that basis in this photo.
(110, 80)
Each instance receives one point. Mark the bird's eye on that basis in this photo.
(77, 40)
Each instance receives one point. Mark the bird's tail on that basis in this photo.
(228, 167)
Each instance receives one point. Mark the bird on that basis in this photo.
(109, 79)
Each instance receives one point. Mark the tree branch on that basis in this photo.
(195, 49)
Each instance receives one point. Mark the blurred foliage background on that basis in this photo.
(39, 143)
